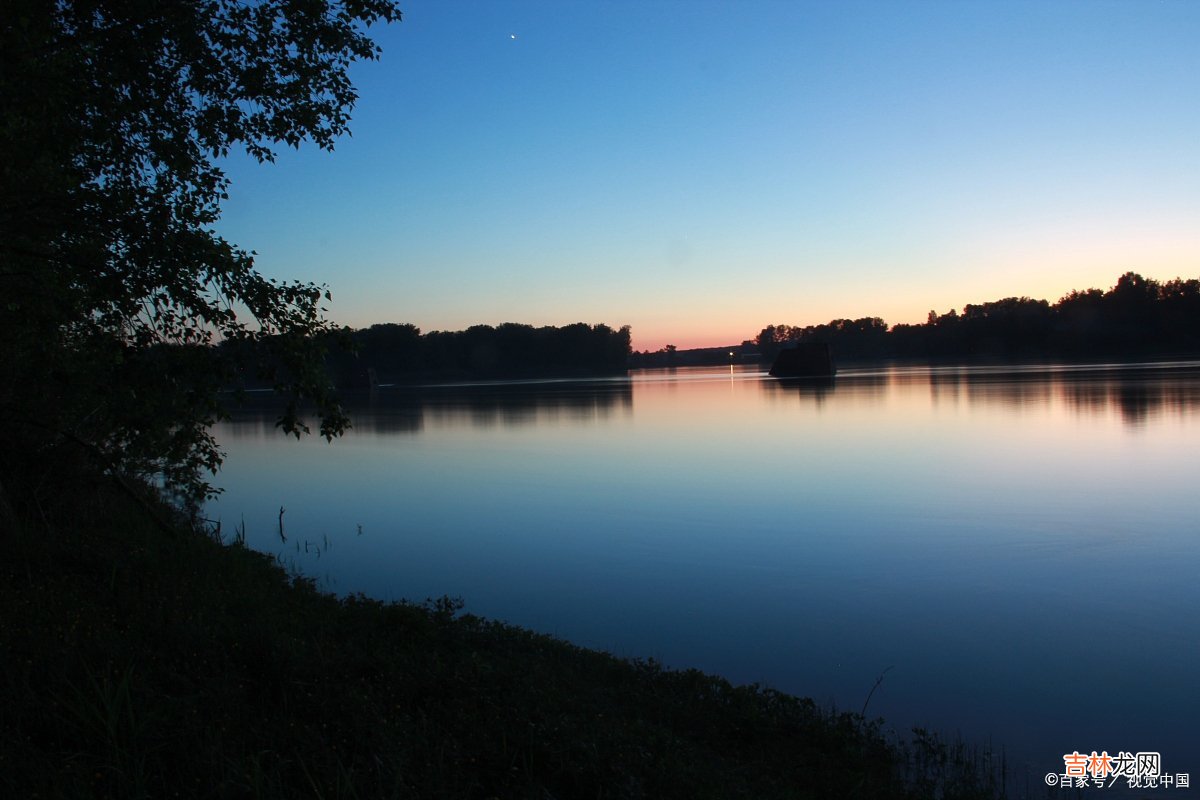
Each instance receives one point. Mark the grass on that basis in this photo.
(140, 663)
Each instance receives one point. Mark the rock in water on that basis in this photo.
(803, 360)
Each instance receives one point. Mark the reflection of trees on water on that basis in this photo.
(862, 386)
(1136, 397)
(1016, 389)
(806, 389)
(407, 411)
(527, 404)
(1137, 392)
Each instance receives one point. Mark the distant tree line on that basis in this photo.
(1138, 316)
(864, 337)
(671, 356)
(390, 353)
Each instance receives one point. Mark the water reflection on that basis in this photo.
(1137, 396)
(1135, 392)
(521, 404)
(1016, 540)
(813, 390)
(409, 410)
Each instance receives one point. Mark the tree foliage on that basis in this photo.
(862, 335)
(116, 114)
(400, 352)
(1137, 317)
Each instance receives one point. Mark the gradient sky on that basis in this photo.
(698, 170)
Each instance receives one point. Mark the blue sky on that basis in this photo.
(698, 170)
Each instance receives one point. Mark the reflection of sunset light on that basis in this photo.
(908, 502)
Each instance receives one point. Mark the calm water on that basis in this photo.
(1020, 546)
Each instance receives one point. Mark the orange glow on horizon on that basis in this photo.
(724, 330)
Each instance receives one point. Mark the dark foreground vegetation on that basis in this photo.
(147, 660)
(143, 658)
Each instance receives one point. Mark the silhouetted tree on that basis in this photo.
(1179, 314)
(1132, 311)
(1137, 316)
(114, 117)
(399, 352)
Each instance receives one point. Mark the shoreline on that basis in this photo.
(144, 661)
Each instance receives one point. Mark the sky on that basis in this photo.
(699, 170)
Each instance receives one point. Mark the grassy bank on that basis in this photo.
(145, 663)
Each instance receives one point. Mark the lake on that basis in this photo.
(1017, 547)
